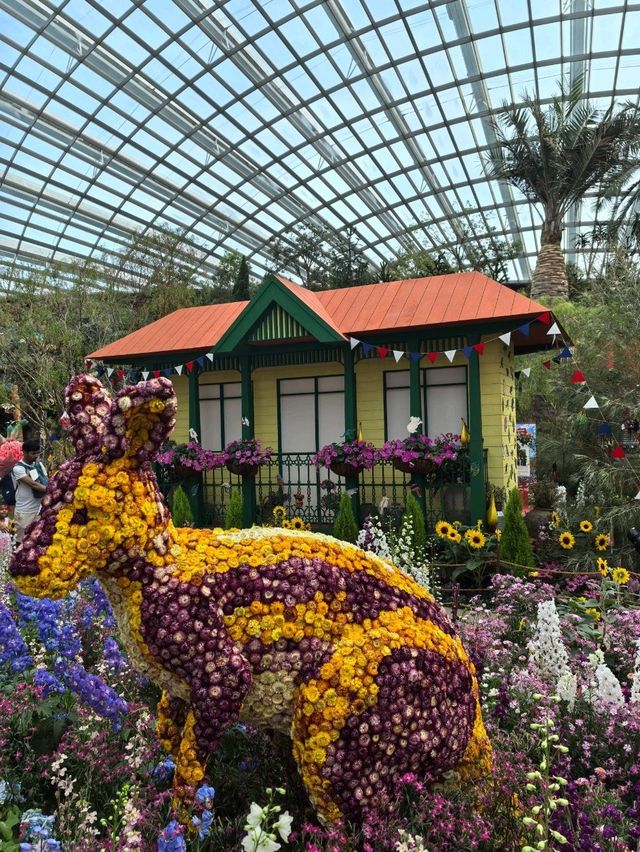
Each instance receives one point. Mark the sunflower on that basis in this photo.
(620, 576)
(603, 566)
(286, 524)
(601, 541)
(566, 540)
(279, 512)
(454, 535)
(475, 539)
(586, 526)
(498, 534)
(297, 524)
(555, 519)
(442, 529)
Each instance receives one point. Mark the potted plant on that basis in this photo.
(347, 458)
(245, 455)
(188, 459)
(421, 454)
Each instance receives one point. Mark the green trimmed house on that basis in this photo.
(299, 369)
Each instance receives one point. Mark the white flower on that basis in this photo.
(256, 816)
(546, 650)
(124, 403)
(609, 695)
(257, 841)
(283, 826)
(635, 678)
(412, 425)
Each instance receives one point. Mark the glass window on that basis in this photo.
(443, 396)
(220, 414)
(311, 413)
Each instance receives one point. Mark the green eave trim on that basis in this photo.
(271, 295)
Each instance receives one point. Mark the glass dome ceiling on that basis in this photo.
(238, 120)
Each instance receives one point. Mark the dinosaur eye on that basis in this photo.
(80, 517)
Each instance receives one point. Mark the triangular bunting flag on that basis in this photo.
(554, 329)
(166, 372)
(547, 364)
(145, 375)
(179, 369)
(120, 374)
(637, 497)
(544, 318)
(451, 354)
(591, 403)
(397, 354)
(156, 374)
(468, 351)
(100, 371)
(577, 377)
(526, 371)
(604, 428)
(416, 356)
(189, 366)
(433, 356)
(525, 329)
(566, 353)
(479, 348)
(505, 338)
(89, 363)
(210, 356)
(618, 453)
(366, 348)
(110, 372)
(556, 359)
(133, 376)
(353, 342)
(200, 361)
(383, 351)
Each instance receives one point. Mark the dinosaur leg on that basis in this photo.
(172, 713)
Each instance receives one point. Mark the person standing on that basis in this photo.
(30, 481)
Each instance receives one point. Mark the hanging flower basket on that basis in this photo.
(344, 469)
(181, 471)
(242, 468)
(421, 466)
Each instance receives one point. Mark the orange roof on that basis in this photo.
(439, 301)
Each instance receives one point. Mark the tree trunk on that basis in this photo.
(550, 276)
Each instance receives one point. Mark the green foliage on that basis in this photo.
(233, 513)
(515, 545)
(241, 287)
(181, 508)
(345, 526)
(414, 511)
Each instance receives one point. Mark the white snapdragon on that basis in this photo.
(605, 691)
(547, 653)
(635, 678)
(567, 688)
(372, 538)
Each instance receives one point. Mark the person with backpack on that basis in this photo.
(30, 482)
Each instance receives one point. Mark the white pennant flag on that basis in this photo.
(210, 356)
(506, 338)
(353, 342)
(591, 403)
(554, 330)
(526, 371)
(145, 375)
(397, 354)
(637, 497)
(110, 372)
(451, 354)
(179, 369)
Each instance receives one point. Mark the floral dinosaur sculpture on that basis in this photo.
(289, 630)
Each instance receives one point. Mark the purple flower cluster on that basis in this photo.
(247, 451)
(439, 450)
(191, 455)
(53, 623)
(357, 454)
(14, 653)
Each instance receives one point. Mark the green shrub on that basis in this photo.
(181, 508)
(413, 510)
(233, 514)
(515, 544)
(345, 526)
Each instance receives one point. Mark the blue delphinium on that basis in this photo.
(53, 622)
(204, 796)
(14, 653)
(112, 654)
(48, 682)
(163, 772)
(36, 830)
(171, 839)
(93, 690)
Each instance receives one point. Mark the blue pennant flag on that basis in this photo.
(524, 329)
(604, 429)
(416, 356)
(100, 371)
(566, 353)
(167, 372)
(468, 351)
(133, 376)
(200, 361)
(366, 348)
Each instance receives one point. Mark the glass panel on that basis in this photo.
(397, 407)
(210, 423)
(296, 386)
(330, 418)
(446, 405)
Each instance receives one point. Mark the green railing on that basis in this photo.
(313, 494)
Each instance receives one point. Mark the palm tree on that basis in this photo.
(557, 154)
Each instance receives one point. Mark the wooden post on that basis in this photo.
(476, 445)
(248, 482)
(352, 483)
(194, 483)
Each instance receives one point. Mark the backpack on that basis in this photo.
(7, 491)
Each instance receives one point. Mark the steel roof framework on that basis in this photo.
(239, 120)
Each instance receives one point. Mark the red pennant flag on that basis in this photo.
(383, 351)
(618, 453)
(156, 374)
(577, 377)
(189, 366)
(120, 374)
(89, 363)
(479, 347)
(547, 364)
(432, 356)
(544, 318)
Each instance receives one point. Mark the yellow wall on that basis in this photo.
(497, 394)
